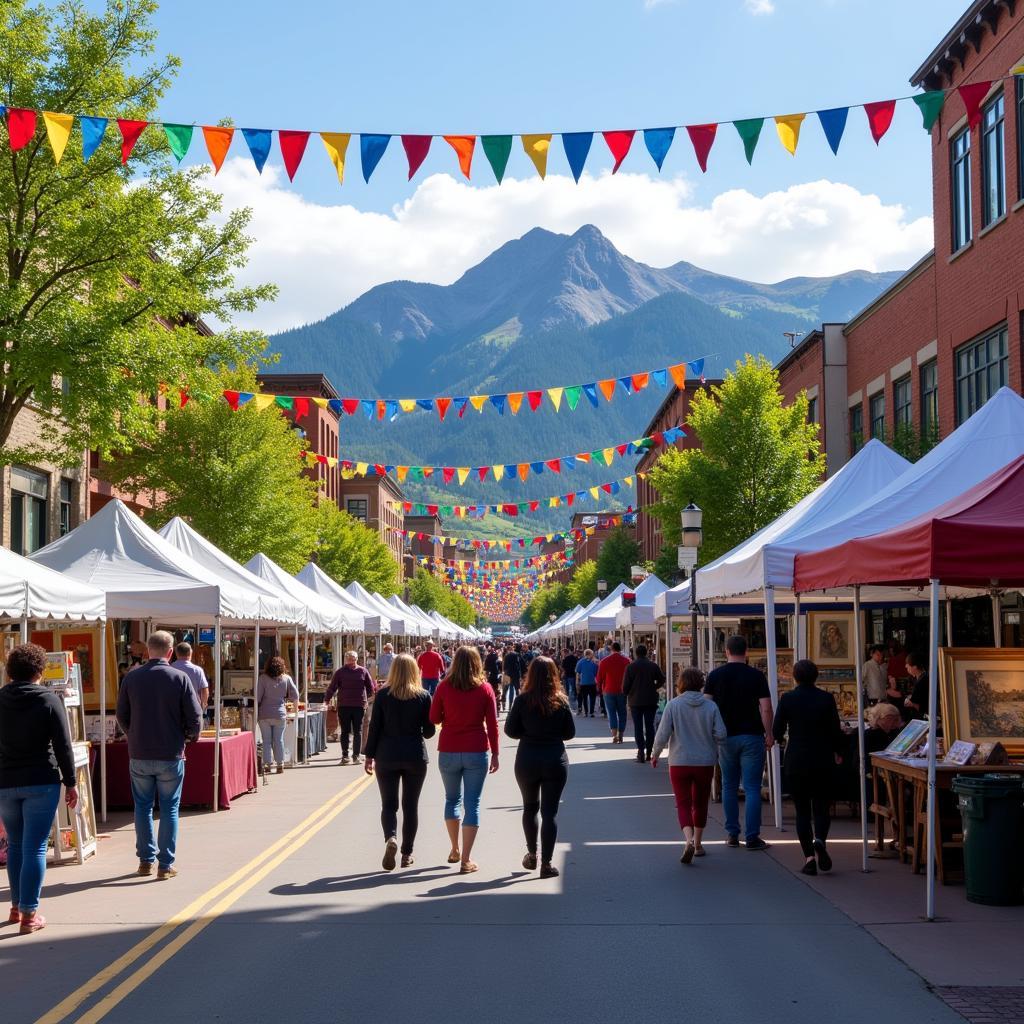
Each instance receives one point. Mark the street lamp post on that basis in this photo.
(691, 519)
(602, 588)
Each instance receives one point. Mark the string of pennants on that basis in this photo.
(23, 125)
(496, 579)
(556, 557)
(389, 409)
(508, 543)
(522, 470)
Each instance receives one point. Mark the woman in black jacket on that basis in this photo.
(542, 721)
(399, 723)
(815, 746)
(35, 757)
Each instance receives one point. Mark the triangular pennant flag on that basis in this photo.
(179, 138)
(460, 405)
(261, 402)
(463, 146)
(371, 149)
(21, 127)
(401, 472)
(285, 402)
(523, 469)
(696, 367)
(463, 474)
(416, 148)
(442, 406)
(407, 404)
(590, 390)
(703, 138)
(628, 480)
(497, 149)
(130, 132)
(293, 145)
(391, 410)
(536, 148)
(426, 404)
(498, 401)
(93, 129)
(595, 493)
(788, 127)
(478, 402)
(555, 394)
(572, 396)
(231, 397)
(618, 144)
(336, 144)
(498, 471)
(622, 448)
(448, 474)
(350, 406)
(218, 141)
(930, 105)
(879, 117)
(382, 409)
(555, 465)
(515, 400)
(300, 406)
(577, 146)
(258, 140)
(639, 381)
(749, 130)
(534, 398)
(369, 407)
(833, 124)
(58, 131)
(609, 456)
(973, 95)
(537, 467)
(678, 375)
(660, 377)
(607, 388)
(658, 142)
(482, 472)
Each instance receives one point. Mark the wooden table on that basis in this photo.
(901, 796)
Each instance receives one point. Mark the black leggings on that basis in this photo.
(643, 728)
(411, 776)
(812, 800)
(541, 781)
(351, 721)
(587, 697)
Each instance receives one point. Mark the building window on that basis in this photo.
(877, 410)
(28, 510)
(856, 428)
(357, 508)
(981, 370)
(901, 410)
(1019, 82)
(929, 399)
(993, 164)
(67, 499)
(812, 410)
(960, 154)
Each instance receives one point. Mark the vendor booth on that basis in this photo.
(637, 620)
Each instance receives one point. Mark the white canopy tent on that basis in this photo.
(312, 576)
(390, 622)
(29, 590)
(641, 615)
(323, 615)
(568, 624)
(602, 618)
(551, 629)
(411, 611)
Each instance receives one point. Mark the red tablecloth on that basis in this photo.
(237, 772)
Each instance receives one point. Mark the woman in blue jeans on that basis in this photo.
(465, 708)
(273, 689)
(35, 757)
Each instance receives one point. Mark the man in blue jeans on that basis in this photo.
(743, 697)
(159, 712)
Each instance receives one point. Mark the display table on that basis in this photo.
(901, 796)
(237, 772)
(315, 733)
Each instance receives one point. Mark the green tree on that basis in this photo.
(349, 551)
(617, 557)
(235, 476)
(105, 269)
(428, 592)
(757, 458)
(583, 585)
(666, 565)
(551, 599)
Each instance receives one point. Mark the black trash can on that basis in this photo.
(992, 808)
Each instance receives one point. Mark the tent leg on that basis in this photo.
(711, 637)
(216, 712)
(296, 669)
(796, 638)
(997, 623)
(949, 623)
(933, 685)
(774, 765)
(858, 658)
(103, 718)
(255, 686)
(24, 625)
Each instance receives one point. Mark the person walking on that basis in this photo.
(815, 746)
(395, 752)
(35, 758)
(274, 688)
(743, 697)
(611, 671)
(354, 687)
(432, 667)
(586, 682)
(640, 687)
(385, 661)
(541, 719)
(568, 664)
(513, 666)
(157, 709)
(694, 731)
(464, 706)
(184, 663)
(492, 669)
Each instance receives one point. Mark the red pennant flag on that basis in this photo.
(702, 136)
(432, 510)
(21, 126)
(482, 472)
(555, 465)
(973, 95)
(607, 388)
(183, 399)
(377, 468)
(322, 459)
(428, 472)
(442, 406)
(293, 145)
(621, 449)
(407, 506)
(463, 146)
(570, 499)
(640, 381)
(130, 132)
(301, 407)
(879, 117)
(534, 398)
(618, 143)
(510, 510)
(678, 374)
(538, 540)
(534, 505)
(350, 406)
(416, 148)
(448, 474)
(607, 488)
(381, 408)
(231, 397)
(658, 437)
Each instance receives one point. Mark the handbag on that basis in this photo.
(506, 679)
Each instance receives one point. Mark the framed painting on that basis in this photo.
(783, 664)
(982, 693)
(830, 638)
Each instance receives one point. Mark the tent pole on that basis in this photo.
(296, 669)
(711, 637)
(858, 658)
(774, 766)
(216, 711)
(795, 639)
(949, 623)
(255, 687)
(997, 625)
(103, 718)
(933, 681)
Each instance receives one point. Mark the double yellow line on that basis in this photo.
(230, 891)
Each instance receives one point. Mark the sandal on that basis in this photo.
(30, 923)
(468, 867)
(15, 916)
(454, 857)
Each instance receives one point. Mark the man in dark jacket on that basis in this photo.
(513, 665)
(159, 712)
(354, 687)
(640, 685)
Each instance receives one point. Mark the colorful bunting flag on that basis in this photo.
(577, 146)
(179, 138)
(371, 149)
(21, 127)
(619, 144)
(930, 105)
(702, 136)
(336, 144)
(879, 117)
(258, 141)
(833, 124)
(58, 131)
(218, 141)
(749, 131)
(416, 148)
(130, 132)
(788, 128)
(536, 148)
(658, 142)
(463, 146)
(293, 145)
(497, 149)
(973, 96)
(93, 129)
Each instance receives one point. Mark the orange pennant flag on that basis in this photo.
(401, 472)
(640, 381)
(463, 146)
(607, 388)
(678, 373)
(524, 470)
(217, 142)
(515, 400)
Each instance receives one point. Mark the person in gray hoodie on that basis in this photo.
(693, 729)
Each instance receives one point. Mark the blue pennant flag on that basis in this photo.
(371, 149)
(426, 403)
(389, 469)
(391, 410)
(369, 407)
(498, 401)
(616, 487)
(258, 141)
(658, 142)
(577, 146)
(244, 396)
(660, 377)
(590, 390)
(511, 470)
(460, 404)
(696, 367)
(334, 404)
(833, 123)
(92, 134)
(627, 384)
(537, 467)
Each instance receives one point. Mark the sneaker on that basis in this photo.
(548, 871)
(15, 916)
(345, 759)
(165, 873)
(733, 841)
(688, 854)
(357, 759)
(757, 843)
(145, 868)
(639, 757)
(390, 853)
(824, 860)
(279, 770)
(407, 860)
(701, 852)
(530, 862)
(809, 868)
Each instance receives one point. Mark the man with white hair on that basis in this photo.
(184, 663)
(385, 661)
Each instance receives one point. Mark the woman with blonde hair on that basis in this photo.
(399, 723)
(464, 706)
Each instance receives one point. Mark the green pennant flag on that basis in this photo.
(598, 457)
(446, 510)
(572, 396)
(930, 104)
(749, 131)
(497, 149)
(285, 401)
(416, 473)
(180, 138)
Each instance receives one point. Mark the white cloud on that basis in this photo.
(759, 6)
(324, 256)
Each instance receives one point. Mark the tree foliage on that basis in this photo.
(615, 561)
(347, 550)
(757, 458)
(105, 269)
(426, 591)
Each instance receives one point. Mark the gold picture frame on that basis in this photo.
(982, 696)
(758, 658)
(830, 638)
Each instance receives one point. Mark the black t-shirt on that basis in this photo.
(736, 689)
(569, 666)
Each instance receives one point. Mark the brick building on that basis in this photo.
(588, 548)
(417, 547)
(376, 501)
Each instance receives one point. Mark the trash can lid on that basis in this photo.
(991, 784)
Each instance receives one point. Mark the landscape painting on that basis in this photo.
(983, 696)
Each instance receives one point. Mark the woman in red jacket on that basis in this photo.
(464, 706)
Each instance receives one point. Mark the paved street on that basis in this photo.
(316, 932)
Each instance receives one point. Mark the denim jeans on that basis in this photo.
(742, 756)
(569, 682)
(27, 813)
(463, 776)
(430, 685)
(272, 731)
(149, 779)
(615, 705)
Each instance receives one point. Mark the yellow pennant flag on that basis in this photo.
(609, 455)
(555, 394)
(347, 474)
(407, 404)
(594, 492)
(537, 147)
(1018, 70)
(362, 467)
(554, 502)
(628, 480)
(58, 131)
(336, 144)
(262, 402)
(477, 401)
(788, 128)
(332, 461)
(643, 476)
(401, 472)
(322, 402)
(463, 472)
(590, 531)
(498, 471)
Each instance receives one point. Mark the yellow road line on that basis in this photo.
(68, 1005)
